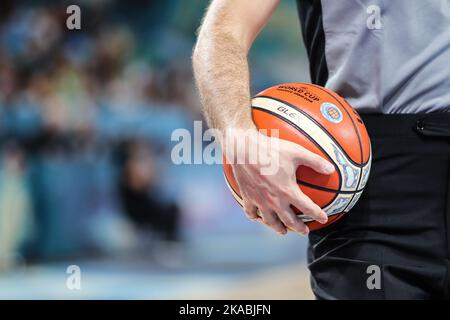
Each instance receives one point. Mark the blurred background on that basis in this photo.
(86, 177)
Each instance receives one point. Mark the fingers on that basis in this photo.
(292, 222)
(280, 217)
(251, 211)
(307, 206)
(270, 219)
(315, 162)
(266, 216)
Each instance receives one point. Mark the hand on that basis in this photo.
(268, 197)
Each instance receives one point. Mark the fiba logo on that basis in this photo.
(331, 112)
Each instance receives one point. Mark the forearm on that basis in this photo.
(222, 75)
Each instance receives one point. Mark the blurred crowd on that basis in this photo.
(85, 121)
(86, 118)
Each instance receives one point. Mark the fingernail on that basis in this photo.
(328, 168)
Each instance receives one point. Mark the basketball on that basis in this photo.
(322, 122)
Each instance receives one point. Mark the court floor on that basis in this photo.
(241, 267)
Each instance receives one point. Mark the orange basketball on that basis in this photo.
(324, 123)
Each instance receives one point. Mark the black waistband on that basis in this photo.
(423, 124)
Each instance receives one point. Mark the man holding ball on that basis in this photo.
(395, 74)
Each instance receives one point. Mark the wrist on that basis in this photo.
(236, 142)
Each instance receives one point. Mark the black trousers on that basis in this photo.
(395, 243)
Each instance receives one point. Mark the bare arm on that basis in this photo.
(220, 59)
(222, 75)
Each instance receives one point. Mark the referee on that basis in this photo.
(391, 61)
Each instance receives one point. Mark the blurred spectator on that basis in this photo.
(139, 193)
(15, 207)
